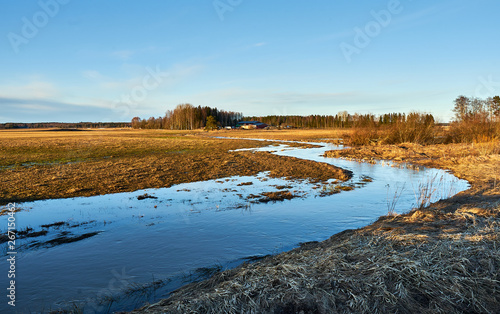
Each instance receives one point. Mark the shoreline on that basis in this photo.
(438, 258)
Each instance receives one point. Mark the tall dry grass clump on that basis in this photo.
(362, 136)
(473, 131)
(418, 128)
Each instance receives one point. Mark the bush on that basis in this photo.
(473, 131)
(417, 128)
(362, 136)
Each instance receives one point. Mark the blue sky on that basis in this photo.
(73, 60)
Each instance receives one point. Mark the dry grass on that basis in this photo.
(478, 163)
(266, 197)
(440, 259)
(324, 135)
(46, 164)
(448, 264)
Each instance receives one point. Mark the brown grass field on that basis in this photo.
(444, 258)
(46, 164)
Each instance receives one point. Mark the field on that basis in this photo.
(440, 258)
(311, 135)
(45, 164)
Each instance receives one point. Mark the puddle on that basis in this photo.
(129, 248)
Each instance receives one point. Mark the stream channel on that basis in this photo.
(115, 252)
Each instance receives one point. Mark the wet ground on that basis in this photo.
(117, 251)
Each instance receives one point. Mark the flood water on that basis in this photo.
(103, 253)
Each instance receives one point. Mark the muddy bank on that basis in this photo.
(131, 174)
(443, 258)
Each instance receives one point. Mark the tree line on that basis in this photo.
(476, 119)
(189, 117)
(472, 108)
(341, 120)
(63, 125)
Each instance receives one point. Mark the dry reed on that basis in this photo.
(379, 269)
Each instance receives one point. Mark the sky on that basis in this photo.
(94, 60)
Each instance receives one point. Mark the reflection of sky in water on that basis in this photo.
(197, 225)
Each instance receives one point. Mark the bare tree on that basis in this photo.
(462, 107)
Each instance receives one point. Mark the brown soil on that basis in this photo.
(440, 259)
(45, 165)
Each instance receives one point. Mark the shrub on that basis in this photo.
(416, 128)
(363, 136)
(473, 131)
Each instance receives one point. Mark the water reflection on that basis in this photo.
(134, 247)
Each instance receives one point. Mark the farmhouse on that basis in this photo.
(251, 125)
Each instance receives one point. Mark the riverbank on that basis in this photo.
(44, 164)
(442, 258)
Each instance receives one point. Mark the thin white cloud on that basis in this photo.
(333, 36)
(133, 75)
(33, 89)
(38, 110)
(123, 55)
(36, 107)
(257, 102)
(266, 95)
(407, 17)
(92, 75)
(127, 54)
(265, 102)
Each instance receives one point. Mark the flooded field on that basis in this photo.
(118, 251)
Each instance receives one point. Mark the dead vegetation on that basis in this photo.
(477, 163)
(422, 262)
(44, 165)
(302, 135)
(266, 197)
(440, 259)
(63, 238)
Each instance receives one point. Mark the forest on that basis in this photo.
(65, 125)
(475, 120)
(189, 117)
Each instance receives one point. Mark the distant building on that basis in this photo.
(251, 125)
